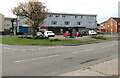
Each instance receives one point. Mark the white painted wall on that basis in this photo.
(119, 9)
(1, 22)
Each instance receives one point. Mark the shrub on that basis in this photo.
(20, 33)
(98, 37)
(55, 39)
(36, 37)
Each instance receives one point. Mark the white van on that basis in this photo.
(49, 34)
(92, 32)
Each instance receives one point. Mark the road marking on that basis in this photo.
(36, 58)
(6, 48)
(83, 51)
(15, 49)
(39, 48)
(76, 52)
(107, 46)
(11, 49)
(23, 50)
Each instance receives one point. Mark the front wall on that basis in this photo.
(73, 21)
(85, 22)
(111, 26)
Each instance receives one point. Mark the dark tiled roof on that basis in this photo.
(117, 19)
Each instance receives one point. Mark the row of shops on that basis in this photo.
(56, 30)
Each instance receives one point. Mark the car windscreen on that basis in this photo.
(50, 32)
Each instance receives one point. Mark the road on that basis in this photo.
(54, 60)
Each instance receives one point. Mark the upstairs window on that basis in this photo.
(56, 15)
(118, 23)
(81, 16)
(8, 25)
(54, 22)
(78, 23)
(67, 23)
(63, 16)
(50, 15)
(76, 16)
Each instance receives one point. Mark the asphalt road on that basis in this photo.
(54, 60)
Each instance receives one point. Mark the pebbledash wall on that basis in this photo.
(61, 22)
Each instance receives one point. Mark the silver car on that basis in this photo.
(39, 34)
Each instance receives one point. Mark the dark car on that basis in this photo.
(85, 33)
(99, 32)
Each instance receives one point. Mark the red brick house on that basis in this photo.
(112, 25)
(102, 27)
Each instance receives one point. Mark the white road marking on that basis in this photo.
(39, 48)
(83, 51)
(16, 49)
(23, 50)
(76, 52)
(6, 48)
(107, 46)
(31, 49)
(36, 58)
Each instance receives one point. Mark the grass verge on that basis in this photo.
(20, 41)
(106, 38)
(23, 41)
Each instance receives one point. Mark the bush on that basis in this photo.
(98, 37)
(36, 37)
(55, 39)
(20, 33)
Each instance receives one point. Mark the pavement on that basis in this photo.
(107, 68)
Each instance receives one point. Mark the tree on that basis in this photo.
(34, 12)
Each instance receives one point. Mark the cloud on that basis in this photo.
(103, 8)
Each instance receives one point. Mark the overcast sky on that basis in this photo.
(103, 8)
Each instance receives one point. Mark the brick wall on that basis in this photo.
(111, 26)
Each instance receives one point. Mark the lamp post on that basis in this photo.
(14, 27)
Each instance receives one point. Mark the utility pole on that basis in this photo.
(14, 27)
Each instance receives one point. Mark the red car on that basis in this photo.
(78, 34)
(75, 34)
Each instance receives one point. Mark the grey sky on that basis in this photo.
(103, 8)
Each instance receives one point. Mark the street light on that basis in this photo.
(14, 26)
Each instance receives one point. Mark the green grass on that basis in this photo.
(106, 38)
(23, 41)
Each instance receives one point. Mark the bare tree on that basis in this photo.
(34, 12)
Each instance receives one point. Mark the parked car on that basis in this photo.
(99, 32)
(77, 34)
(45, 33)
(85, 33)
(92, 32)
(49, 34)
(39, 34)
(66, 34)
